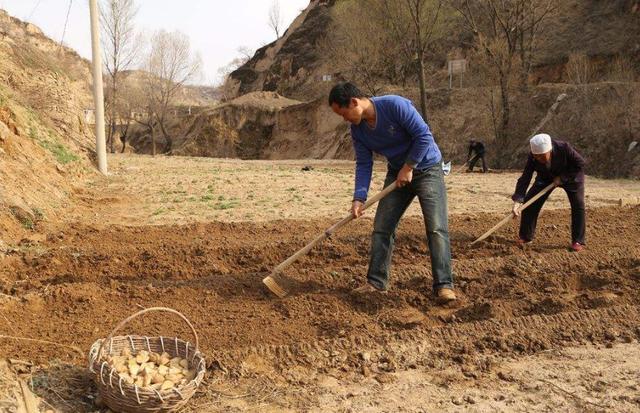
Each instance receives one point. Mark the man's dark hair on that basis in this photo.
(342, 93)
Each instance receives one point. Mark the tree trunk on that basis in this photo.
(123, 135)
(112, 134)
(108, 125)
(113, 110)
(525, 64)
(153, 141)
(423, 87)
(167, 138)
(504, 124)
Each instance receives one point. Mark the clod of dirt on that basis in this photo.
(385, 378)
(407, 317)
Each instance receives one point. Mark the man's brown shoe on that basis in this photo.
(445, 295)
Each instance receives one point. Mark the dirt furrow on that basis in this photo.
(72, 284)
(463, 343)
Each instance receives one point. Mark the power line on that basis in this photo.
(66, 21)
(33, 10)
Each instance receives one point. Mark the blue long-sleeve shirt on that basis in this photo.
(400, 135)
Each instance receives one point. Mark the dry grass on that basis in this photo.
(8, 388)
(621, 70)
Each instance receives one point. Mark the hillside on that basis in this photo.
(294, 65)
(45, 144)
(600, 118)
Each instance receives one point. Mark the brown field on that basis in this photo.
(177, 190)
(542, 329)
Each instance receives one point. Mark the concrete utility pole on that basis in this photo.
(98, 93)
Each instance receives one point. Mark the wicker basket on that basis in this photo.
(129, 398)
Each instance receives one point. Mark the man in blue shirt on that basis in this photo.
(392, 127)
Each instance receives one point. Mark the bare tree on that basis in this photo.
(245, 54)
(225, 86)
(506, 32)
(360, 45)
(275, 19)
(121, 47)
(170, 64)
(134, 101)
(534, 14)
(415, 24)
(385, 41)
(579, 69)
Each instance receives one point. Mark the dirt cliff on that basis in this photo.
(292, 65)
(309, 130)
(241, 128)
(45, 144)
(601, 120)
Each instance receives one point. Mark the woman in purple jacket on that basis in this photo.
(553, 161)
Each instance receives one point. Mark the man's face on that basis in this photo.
(543, 158)
(351, 113)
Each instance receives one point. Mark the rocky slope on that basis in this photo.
(292, 65)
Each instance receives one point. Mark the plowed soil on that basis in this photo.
(71, 284)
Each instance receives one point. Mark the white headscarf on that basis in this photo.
(540, 144)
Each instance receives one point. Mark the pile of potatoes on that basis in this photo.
(152, 370)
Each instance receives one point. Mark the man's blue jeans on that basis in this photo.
(428, 185)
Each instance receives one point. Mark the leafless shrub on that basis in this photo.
(579, 69)
(121, 45)
(275, 18)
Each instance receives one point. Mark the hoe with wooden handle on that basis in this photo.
(270, 281)
(510, 216)
(464, 165)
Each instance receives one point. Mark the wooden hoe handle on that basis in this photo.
(327, 233)
(508, 217)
